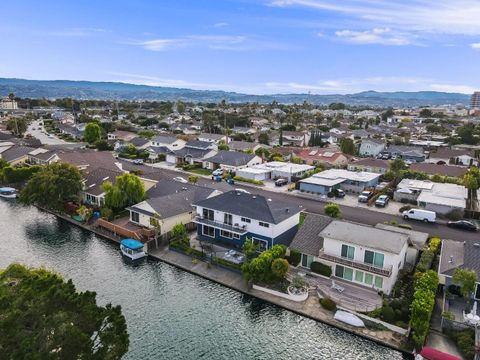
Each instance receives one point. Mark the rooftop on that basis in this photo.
(231, 158)
(308, 240)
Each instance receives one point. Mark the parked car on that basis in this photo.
(281, 182)
(230, 181)
(420, 214)
(463, 224)
(180, 179)
(339, 193)
(382, 201)
(138, 162)
(242, 190)
(365, 196)
(218, 172)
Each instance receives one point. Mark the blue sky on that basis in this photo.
(252, 46)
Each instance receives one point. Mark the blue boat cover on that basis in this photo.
(7, 189)
(132, 244)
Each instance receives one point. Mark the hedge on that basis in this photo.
(328, 304)
(321, 269)
(405, 226)
(242, 179)
(426, 260)
(294, 258)
(435, 243)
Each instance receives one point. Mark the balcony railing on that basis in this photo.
(357, 264)
(238, 229)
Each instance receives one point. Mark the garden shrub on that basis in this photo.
(388, 314)
(328, 304)
(405, 226)
(404, 208)
(294, 258)
(426, 260)
(435, 243)
(321, 269)
(332, 210)
(465, 341)
(242, 179)
(455, 215)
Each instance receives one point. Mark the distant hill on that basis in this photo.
(124, 91)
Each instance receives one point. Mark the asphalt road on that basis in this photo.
(44, 139)
(360, 215)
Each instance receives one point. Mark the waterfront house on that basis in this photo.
(361, 254)
(42, 156)
(326, 181)
(163, 212)
(93, 193)
(15, 154)
(371, 147)
(378, 166)
(232, 217)
(231, 160)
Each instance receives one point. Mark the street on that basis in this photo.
(36, 131)
(360, 215)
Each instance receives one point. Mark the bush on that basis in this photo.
(255, 182)
(435, 243)
(321, 269)
(295, 257)
(465, 341)
(405, 226)
(455, 215)
(333, 210)
(426, 260)
(404, 208)
(388, 314)
(328, 304)
(106, 213)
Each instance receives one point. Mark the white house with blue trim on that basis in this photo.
(232, 217)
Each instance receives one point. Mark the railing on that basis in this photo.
(201, 220)
(357, 264)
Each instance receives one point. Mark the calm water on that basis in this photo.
(172, 314)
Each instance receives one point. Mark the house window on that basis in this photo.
(227, 219)
(208, 214)
(307, 260)
(359, 276)
(368, 279)
(263, 244)
(263, 224)
(378, 282)
(246, 220)
(348, 252)
(135, 216)
(226, 234)
(344, 272)
(374, 258)
(236, 236)
(208, 231)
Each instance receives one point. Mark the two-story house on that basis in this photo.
(232, 217)
(231, 160)
(357, 253)
(167, 141)
(371, 147)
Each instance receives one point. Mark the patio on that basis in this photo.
(345, 294)
(468, 314)
(223, 252)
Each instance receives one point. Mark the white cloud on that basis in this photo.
(465, 89)
(220, 24)
(459, 17)
(475, 46)
(78, 32)
(161, 44)
(382, 36)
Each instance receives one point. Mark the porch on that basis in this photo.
(123, 228)
(352, 297)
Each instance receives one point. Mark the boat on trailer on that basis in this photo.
(132, 249)
(8, 192)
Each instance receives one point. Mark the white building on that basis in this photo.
(169, 142)
(275, 169)
(371, 147)
(8, 104)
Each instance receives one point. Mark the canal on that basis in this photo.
(172, 314)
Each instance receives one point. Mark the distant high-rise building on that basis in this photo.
(475, 101)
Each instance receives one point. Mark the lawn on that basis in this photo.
(200, 171)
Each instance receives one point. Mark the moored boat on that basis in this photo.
(8, 193)
(132, 249)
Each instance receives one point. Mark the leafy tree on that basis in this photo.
(18, 174)
(426, 113)
(223, 147)
(466, 133)
(279, 268)
(264, 153)
(332, 210)
(148, 134)
(85, 212)
(250, 249)
(263, 138)
(336, 106)
(180, 107)
(128, 190)
(396, 167)
(93, 133)
(103, 145)
(471, 180)
(179, 232)
(387, 114)
(260, 268)
(466, 279)
(45, 317)
(347, 146)
(17, 126)
(289, 127)
(52, 186)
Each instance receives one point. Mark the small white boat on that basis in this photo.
(348, 318)
(132, 249)
(8, 193)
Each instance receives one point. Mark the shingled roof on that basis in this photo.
(308, 240)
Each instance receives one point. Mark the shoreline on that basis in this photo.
(236, 282)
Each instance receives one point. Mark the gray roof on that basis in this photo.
(231, 158)
(139, 141)
(164, 139)
(253, 206)
(308, 240)
(158, 149)
(15, 153)
(459, 254)
(211, 136)
(6, 137)
(95, 179)
(241, 145)
(365, 235)
(198, 144)
(167, 187)
(88, 158)
(192, 152)
(417, 239)
(45, 155)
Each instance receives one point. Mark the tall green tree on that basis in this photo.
(347, 146)
(93, 133)
(128, 190)
(17, 126)
(466, 279)
(180, 106)
(471, 180)
(44, 317)
(396, 167)
(52, 186)
(263, 138)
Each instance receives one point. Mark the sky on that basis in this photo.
(249, 46)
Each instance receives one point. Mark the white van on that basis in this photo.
(419, 214)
